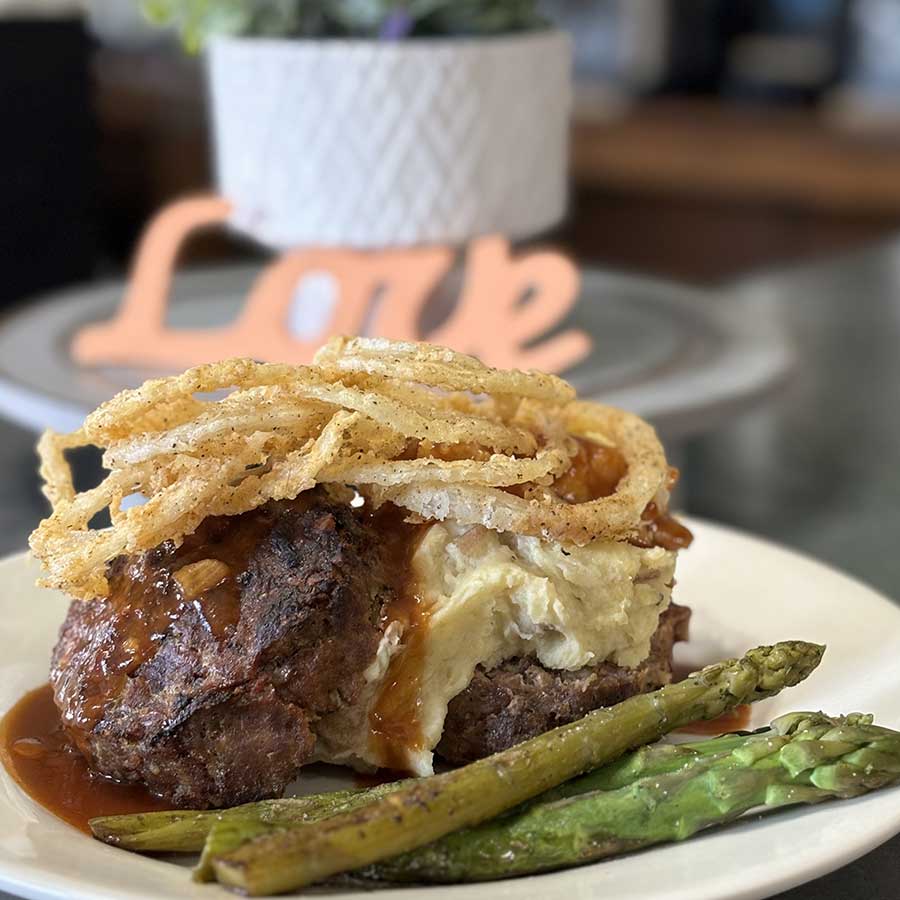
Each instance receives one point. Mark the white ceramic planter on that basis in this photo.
(375, 144)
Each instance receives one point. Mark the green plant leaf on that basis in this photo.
(198, 20)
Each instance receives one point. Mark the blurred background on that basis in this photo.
(711, 137)
(741, 160)
(752, 148)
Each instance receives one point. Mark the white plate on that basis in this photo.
(743, 592)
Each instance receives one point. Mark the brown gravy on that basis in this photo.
(659, 529)
(146, 597)
(736, 719)
(40, 759)
(595, 472)
(394, 723)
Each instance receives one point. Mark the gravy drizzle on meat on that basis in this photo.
(215, 709)
(147, 596)
(394, 718)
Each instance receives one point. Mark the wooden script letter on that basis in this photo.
(507, 303)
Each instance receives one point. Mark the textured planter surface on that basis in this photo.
(370, 144)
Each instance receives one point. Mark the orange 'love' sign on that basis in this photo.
(506, 304)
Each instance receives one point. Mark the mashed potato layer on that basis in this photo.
(491, 597)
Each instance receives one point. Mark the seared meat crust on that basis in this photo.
(217, 719)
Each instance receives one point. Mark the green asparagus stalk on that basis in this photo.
(224, 837)
(231, 831)
(427, 809)
(215, 832)
(186, 831)
(655, 759)
(803, 758)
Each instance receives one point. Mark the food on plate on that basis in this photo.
(392, 553)
(520, 697)
(187, 830)
(424, 810)
(664, 792)
(220, 721)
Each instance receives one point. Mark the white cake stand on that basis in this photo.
(683, 358)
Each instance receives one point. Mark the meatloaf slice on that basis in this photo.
(209, 700)
(520, 698)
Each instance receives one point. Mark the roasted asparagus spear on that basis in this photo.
(655, 759)
(188, 831)
(185, 831)
(427, 809)
(802, 758)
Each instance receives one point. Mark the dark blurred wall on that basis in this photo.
(48, 174)
(714, 147)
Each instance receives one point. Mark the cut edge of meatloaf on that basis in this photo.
(520, 698)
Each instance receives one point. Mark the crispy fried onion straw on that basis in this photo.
(430, 430)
